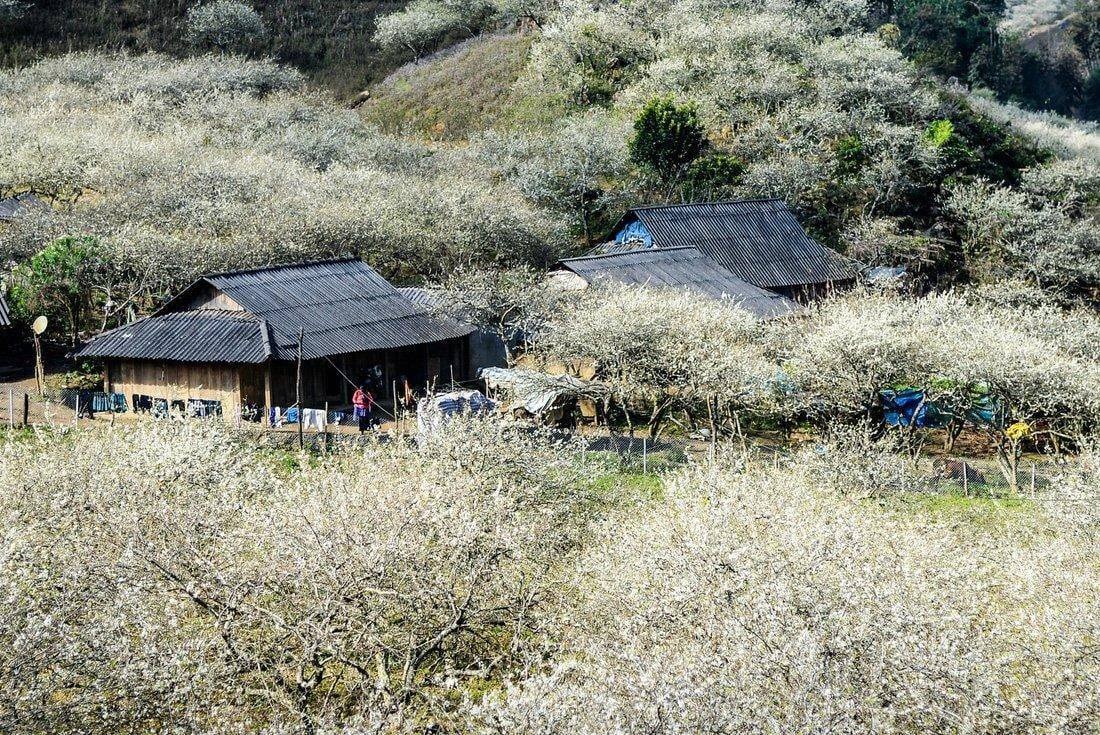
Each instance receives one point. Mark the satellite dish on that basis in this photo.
(40, 325)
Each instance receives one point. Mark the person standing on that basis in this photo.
(363, 401)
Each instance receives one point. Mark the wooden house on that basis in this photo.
(231, 341)
(760, 242)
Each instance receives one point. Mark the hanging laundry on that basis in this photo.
(314, 418)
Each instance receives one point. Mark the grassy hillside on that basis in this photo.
(455, 93)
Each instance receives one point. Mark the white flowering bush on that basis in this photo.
(1043, 231)
(662, 351)
(759, 600)
(227, 163)
(175, 576)
(1036, 364)
(223, 24)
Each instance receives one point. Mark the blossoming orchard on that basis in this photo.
(549, 368)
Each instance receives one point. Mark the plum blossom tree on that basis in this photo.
(1031, 363)
(662, 351)
(189, 581)
(224, 25)
(762, 596)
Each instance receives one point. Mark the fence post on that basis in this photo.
(26, 409)
(11, 408)
(76, 413)
(324, 430)
(966, 473)
(645, 457)
(1033, 479)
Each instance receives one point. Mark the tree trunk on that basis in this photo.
(1008, 460)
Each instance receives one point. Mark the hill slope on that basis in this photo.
(328, 39)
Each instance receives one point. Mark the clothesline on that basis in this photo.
(353, 384)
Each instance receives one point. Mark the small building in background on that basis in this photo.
(230, 342)
(18, 205)
(760, 242)
(680, 268)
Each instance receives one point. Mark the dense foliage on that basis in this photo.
(497, 578)
(228, 163)
(196, 583)
(765, 599)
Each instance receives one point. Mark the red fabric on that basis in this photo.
(362, 399)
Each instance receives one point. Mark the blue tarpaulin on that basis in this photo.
(635, 231)
(908, 407)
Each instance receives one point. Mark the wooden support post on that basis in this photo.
(298, 392)
(324, 429)
(966, 472)
(1033, 479)
(26, 409)
(76, 413)
(267, 395)
(11, 408)
(39, 371)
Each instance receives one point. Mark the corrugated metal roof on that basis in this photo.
(683, 268)
(203, 335)
(12, 207)
(5, 313)
(342, 306)
(759, 241)
(420, 295)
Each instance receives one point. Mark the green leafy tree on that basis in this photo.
(667, 138)
(58, 282)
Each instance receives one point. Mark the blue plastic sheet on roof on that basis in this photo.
(635, 231)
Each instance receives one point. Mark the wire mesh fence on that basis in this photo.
(954, 474)
(968, 476)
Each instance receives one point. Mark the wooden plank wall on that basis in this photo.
(179, 381)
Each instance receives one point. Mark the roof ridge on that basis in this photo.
(709, 204)
(299, 264)
(632, 252)
(243, 313)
